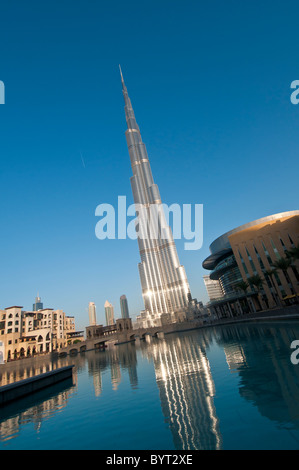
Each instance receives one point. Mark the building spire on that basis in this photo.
(122, 78)
(130, 116)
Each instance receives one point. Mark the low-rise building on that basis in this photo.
(26, 333)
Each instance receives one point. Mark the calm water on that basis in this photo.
(231, 387)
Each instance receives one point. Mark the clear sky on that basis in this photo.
(210, 86)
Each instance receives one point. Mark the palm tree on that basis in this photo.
(271, 273)
(293, 253)
(257, 282)
(283, 264)
(243, 286)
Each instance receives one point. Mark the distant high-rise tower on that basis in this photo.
(38, 305)
(124, 307)
(214, 288)
(92, 314)
(164, 282)
(109, 312)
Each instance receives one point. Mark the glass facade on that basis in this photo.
(228, 274)
(257, 246)
(124, 307)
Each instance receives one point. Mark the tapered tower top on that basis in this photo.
(122, 78)
(130, 116)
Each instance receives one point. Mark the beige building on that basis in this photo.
(257, 247)
(252, 250)
(25, 333)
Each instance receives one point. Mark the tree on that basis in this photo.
(243, 286)
(293, 253)
(271, 273)
(283, 264)
(257, 282)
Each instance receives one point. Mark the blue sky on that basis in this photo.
(210, 86)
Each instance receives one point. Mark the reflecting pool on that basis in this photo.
(228, 387)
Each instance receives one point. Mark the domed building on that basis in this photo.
(251, 250)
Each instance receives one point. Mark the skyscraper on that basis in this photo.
(38, 305)
(164, 282)
(213, 287)
(109, 313)
(124, 307)
(92, 314)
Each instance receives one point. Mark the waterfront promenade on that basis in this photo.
(111, 341)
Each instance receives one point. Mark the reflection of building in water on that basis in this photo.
(261, 356)
(115, 375)
(97, 383)
(121, 357)
(20, 370)
(128, 361)
(187, 391)
(11, 424)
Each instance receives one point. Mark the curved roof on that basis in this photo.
(211, 261)
(220, 247)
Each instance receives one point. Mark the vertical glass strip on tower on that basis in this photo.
(164, 283)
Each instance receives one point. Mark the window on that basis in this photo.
(251, 262)
(243, 264)
(292, 243)
(282, 244)
(267, 254)
(275, 249)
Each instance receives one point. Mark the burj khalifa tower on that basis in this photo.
(164, 283)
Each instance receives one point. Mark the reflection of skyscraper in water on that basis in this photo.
(114, 368)
(97, 382)
(115, 375)
(120, 358)
(128, 361)
(186, 391)
(261, 357)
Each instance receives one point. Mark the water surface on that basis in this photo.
(229, 387)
